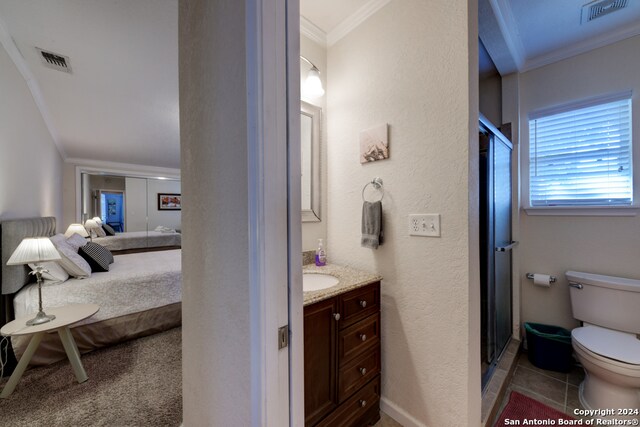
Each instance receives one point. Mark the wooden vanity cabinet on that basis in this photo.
(342, 359)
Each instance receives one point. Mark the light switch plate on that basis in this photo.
(424, 225)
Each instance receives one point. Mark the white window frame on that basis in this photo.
(631, 210)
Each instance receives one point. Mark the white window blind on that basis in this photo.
(582, 156)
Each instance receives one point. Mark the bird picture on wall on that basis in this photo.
(374, 144)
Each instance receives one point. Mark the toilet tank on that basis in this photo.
(607, 301)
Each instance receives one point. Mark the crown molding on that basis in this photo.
(312, 31)
(357, 18)
(581, 47)
(130, 169)
(21, 64)
(509, 29)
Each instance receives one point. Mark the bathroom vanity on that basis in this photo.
(342, 349)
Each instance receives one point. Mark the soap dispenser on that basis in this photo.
(321, 255)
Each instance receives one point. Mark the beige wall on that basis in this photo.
(312, 231)
(217, 371)
(30, 164)
(69, 209)
(490, 89)
(413, 65)
(554, 244)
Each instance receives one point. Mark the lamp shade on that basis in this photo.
(313, 84)
(91, 224)
(34, 250)
(97, 219)
(76, 229)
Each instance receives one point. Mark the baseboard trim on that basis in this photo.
(399, 414)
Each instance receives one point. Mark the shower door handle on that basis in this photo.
(510, 246)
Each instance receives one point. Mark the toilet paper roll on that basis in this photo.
(542, 280)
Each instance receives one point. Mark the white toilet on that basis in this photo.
(608, 344)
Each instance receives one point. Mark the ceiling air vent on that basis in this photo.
(598, 8)
(55, 61)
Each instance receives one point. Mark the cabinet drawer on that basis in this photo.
(358, 338)
(361, 409)
(359, 303)
(357, 373)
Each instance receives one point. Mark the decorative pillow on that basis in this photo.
(55, 274)
(100, 232)
(110, 255)
(109, 230)
(97, 256)
(76, 241)
(73, 263)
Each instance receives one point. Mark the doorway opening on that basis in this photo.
(112, 209)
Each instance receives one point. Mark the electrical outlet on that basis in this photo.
(424, 225)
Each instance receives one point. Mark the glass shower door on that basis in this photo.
(495, 246)
(503, 242)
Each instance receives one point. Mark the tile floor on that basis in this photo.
(499, 381)
(554, 389)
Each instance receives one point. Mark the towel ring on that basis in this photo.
(377, 184)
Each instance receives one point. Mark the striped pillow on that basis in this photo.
(97, 256)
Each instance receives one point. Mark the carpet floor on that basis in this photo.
(133, 384)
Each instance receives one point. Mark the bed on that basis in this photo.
(138, 296)
(137, 241)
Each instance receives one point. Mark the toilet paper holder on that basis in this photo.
(552, 279)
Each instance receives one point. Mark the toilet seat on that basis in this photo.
(618, 346)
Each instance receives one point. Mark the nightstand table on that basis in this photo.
(65, 316)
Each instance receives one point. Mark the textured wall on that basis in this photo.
(555, 244)
(30, 164)
(414, 65)
(312, 231)
(491, 98)
(213, 129)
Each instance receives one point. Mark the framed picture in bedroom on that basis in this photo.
(169, 201)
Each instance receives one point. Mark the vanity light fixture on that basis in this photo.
(312, 84)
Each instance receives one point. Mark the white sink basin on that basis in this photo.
(318, 281)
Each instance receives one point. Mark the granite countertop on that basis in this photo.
(350, 279)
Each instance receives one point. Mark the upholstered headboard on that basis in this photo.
(14, 277)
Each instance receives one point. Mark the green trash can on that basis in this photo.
(549, 347)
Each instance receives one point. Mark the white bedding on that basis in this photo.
(134, 283)
(139, 239)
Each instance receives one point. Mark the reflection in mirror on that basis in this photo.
(133, 208)
(310, 125)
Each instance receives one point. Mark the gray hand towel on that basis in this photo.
(371, 225)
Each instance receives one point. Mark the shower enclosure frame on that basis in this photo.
(496, 246)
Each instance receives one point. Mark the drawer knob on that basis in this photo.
(363, 303)
(363, 337)
(363, 371)
(336, 316)
(363, 403)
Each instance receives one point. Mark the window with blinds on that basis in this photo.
(582, 156)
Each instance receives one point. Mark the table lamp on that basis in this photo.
(76, 229)
(91, 225)
(34, 250)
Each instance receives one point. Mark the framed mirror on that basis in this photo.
(310, 125)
